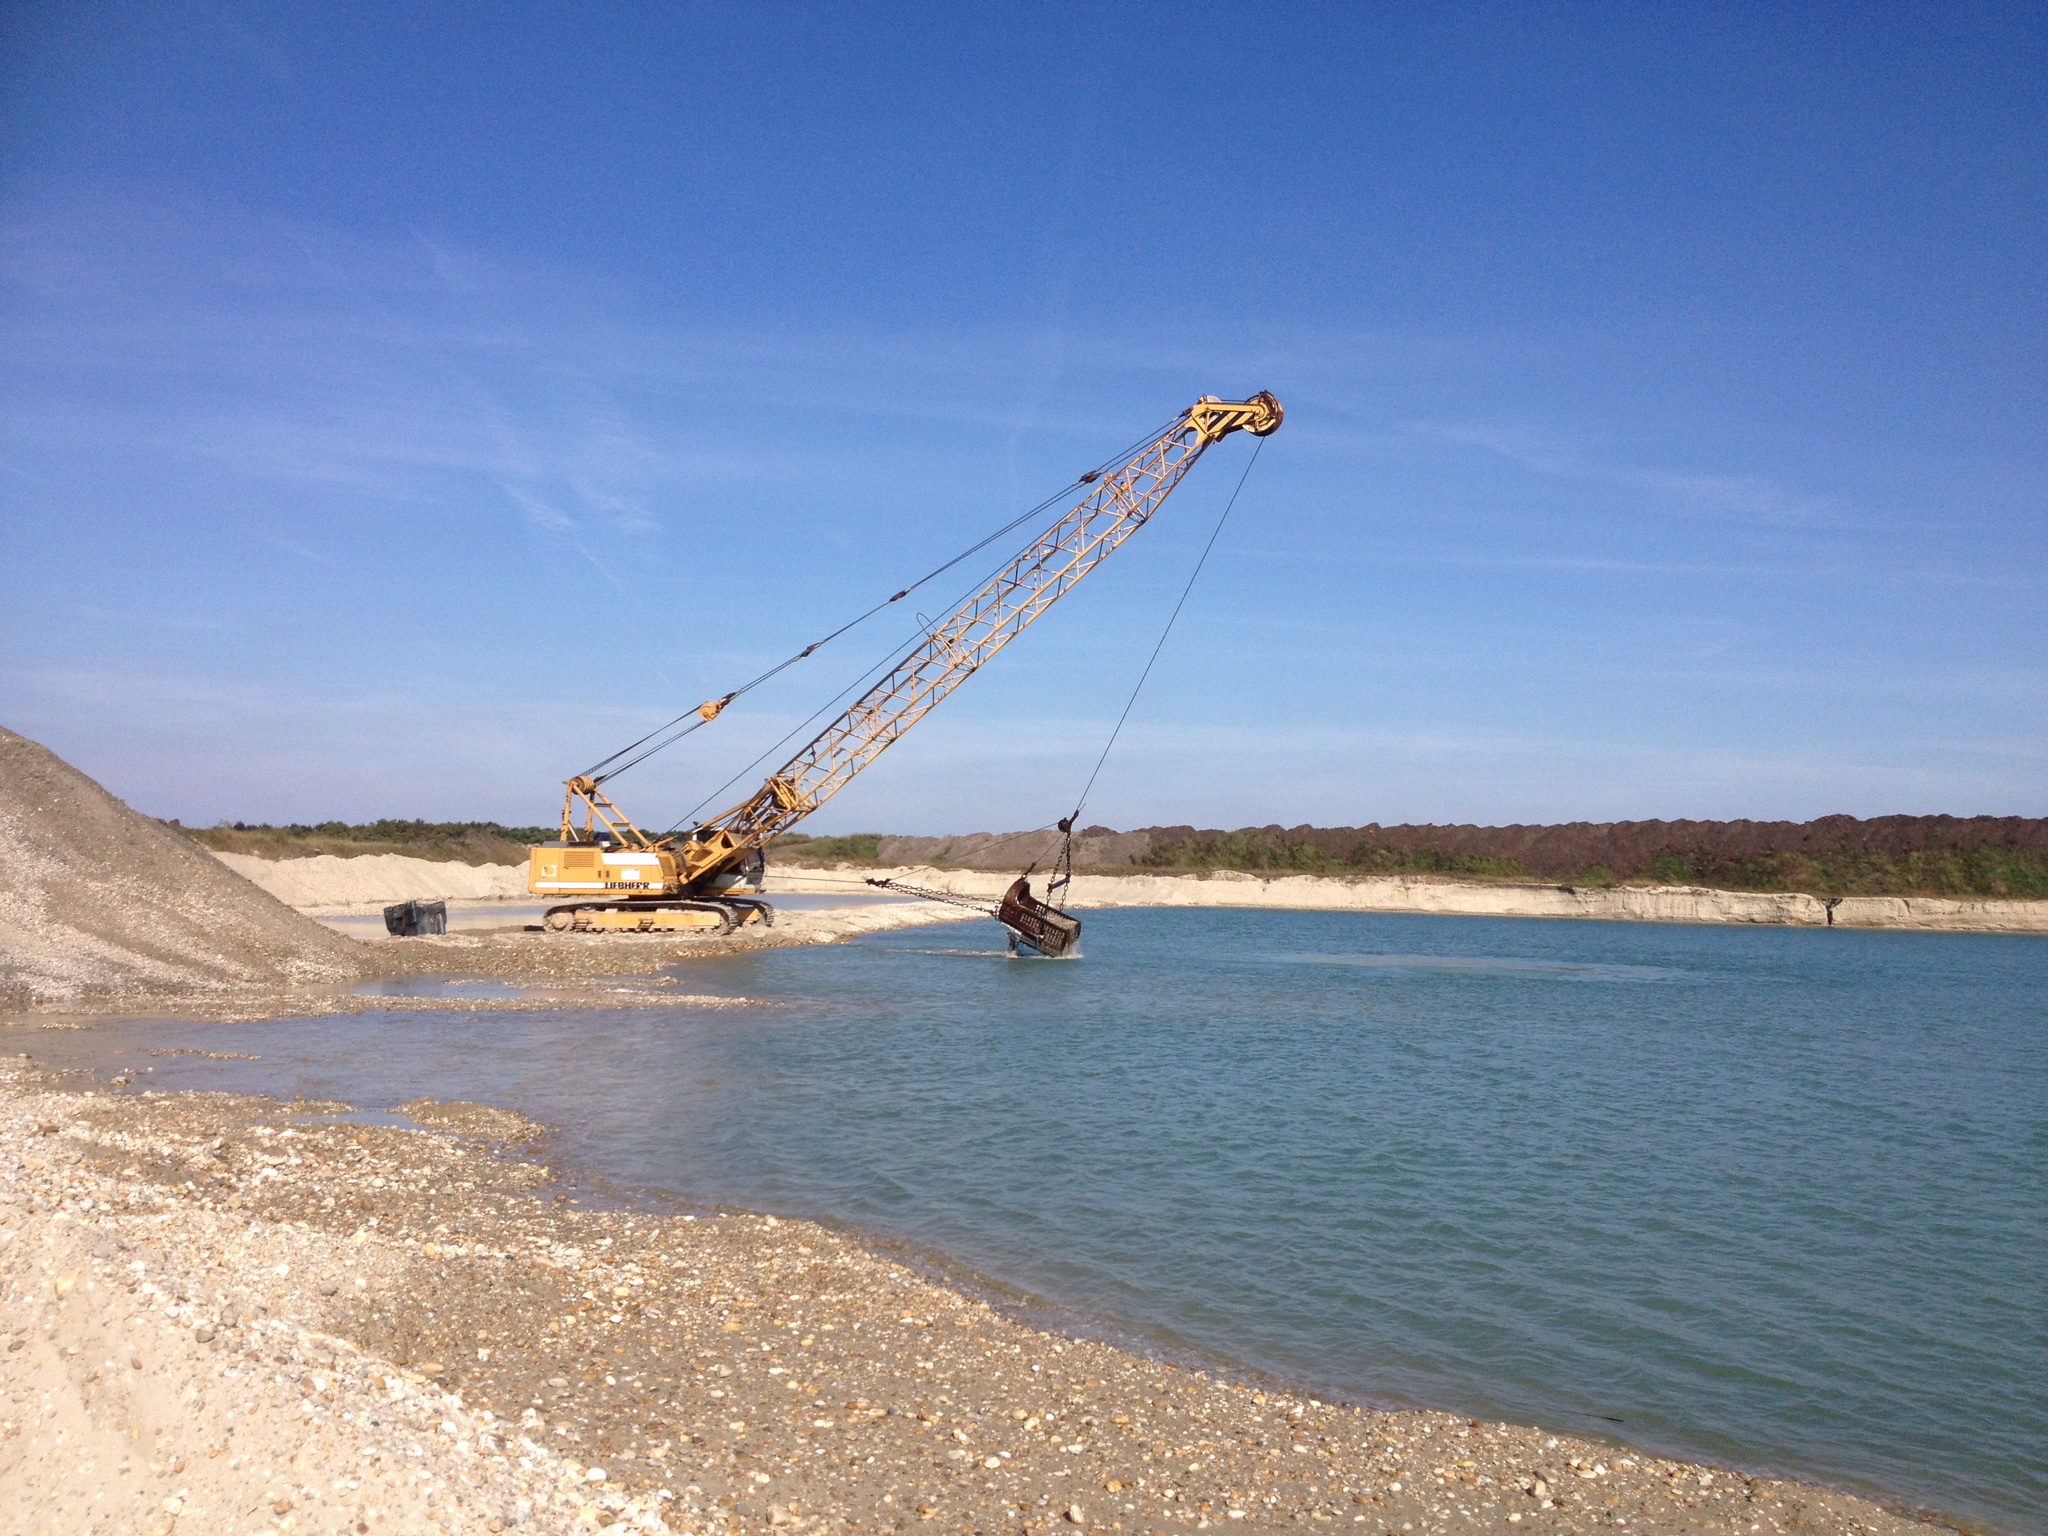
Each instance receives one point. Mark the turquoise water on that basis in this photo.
(1772, 1197)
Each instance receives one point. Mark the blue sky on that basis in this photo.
(401, 410)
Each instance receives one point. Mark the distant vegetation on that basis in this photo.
(1259, 852)
(469, 842)
(1980, 856)
(1990, 872)
(465, 842)
(1837, 856)
(854, 848)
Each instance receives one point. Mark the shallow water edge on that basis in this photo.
(507, 1260)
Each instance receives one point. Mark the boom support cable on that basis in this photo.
(689, 816)
(705, 713)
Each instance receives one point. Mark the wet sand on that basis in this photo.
(235, 1314)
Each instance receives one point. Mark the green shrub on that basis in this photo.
(1972, 872)
(854, 848)
(1258, 852)
(1975, 872)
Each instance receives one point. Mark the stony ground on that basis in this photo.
(554, 970)
(101, 903)
(228, 1314)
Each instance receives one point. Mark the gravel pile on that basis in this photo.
(102, 905)
(234, 1314)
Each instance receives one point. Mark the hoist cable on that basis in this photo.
(1133, 699)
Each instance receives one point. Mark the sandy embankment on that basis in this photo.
(329, 884)
(1386, 893)
(326, 886)
(324, 883)
(233, 1315)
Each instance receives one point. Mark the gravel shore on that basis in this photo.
(229, 1314)
(552, 970)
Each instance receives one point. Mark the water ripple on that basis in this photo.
(1773, 1197)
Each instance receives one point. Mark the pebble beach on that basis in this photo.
(236, 1314)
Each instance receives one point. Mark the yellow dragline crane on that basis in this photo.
(608, 874)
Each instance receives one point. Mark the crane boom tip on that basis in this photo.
(1214, 419)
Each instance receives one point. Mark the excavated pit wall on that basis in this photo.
(1392, 893)
(328, 883)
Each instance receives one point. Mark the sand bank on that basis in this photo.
(233, 1314)
(373, 879)
(326, 883)
(1387, 893)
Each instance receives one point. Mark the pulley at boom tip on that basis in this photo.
(1214, 419)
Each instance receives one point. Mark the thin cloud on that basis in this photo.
(319, 392)
(1748, 497)
(294, 547)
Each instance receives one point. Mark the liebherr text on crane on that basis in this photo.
(606, 873)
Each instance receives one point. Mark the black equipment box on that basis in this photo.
(410, 919)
